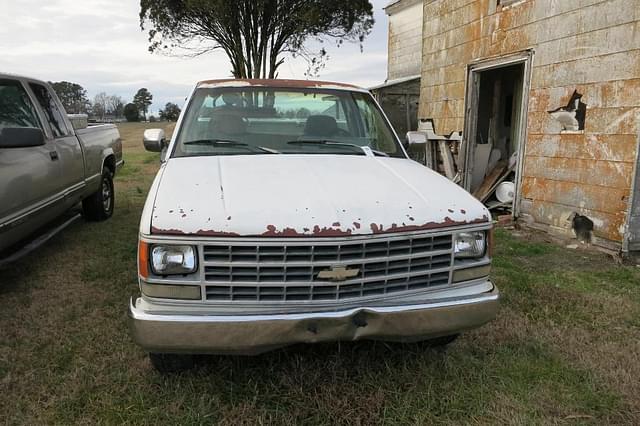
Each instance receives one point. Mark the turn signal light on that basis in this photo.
(143, 259)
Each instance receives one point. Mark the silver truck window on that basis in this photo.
(51, 110)
(259, 120)
(16, 110)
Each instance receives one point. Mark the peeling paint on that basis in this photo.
(400, 196)
(448, 222)
(582, 56)
(273, 231)
(279, 83)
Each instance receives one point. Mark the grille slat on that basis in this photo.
(289, 273)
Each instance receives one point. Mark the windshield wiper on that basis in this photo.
(231, 143)
(327, 142)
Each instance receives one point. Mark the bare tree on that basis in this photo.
(100, 105)
(256, 35)
(115, 106)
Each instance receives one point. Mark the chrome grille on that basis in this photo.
(289, 272)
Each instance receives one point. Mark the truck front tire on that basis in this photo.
(99, 205)
(171, 363)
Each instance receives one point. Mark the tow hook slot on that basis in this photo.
(359, 320)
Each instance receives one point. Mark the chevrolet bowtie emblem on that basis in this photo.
(338, 273)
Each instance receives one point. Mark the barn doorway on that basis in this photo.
(495, 130)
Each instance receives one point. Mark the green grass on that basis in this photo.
(565, 348)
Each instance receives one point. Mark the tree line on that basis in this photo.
(106, 107)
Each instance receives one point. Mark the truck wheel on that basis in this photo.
(99, 205)
(171, 363)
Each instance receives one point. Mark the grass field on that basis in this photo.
(565, 348)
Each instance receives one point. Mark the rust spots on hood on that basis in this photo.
(447, 222)
(330, 232)
(318, 231)
(202, 232)
(272, 231)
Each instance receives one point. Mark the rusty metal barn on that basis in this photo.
(546, 96)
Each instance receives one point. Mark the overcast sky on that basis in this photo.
(99, 44)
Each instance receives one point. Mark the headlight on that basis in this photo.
(173, 260)
(470, 244)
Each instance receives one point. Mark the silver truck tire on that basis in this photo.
(99, 205)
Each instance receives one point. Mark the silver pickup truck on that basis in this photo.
(47, 166)
(288, 212)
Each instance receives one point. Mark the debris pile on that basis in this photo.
(491, 178)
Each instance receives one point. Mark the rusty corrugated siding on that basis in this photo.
(591, 46)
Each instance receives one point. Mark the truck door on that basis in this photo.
(27, 174)
(67, 150)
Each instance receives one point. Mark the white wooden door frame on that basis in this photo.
(472, 94)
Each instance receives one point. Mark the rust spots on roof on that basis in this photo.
(356, 225)
(280, 83)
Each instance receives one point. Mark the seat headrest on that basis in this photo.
(228, 124)
(321, 125)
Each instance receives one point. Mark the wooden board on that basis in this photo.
(497, 175)
(447, 159)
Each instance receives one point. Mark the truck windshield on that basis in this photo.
(261, 121)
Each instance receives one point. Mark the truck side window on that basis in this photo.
(51, 110)
(16, 110)
(374, 128)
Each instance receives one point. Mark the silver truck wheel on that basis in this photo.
(99, 205)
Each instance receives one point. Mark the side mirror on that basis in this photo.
(154, 140)
(21, 137)
(415, 138)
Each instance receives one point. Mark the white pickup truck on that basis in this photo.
(47, 166)
(288, 212)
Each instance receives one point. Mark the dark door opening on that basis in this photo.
(495, 130)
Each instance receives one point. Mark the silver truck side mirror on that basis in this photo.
(154, 140)
(414, 138)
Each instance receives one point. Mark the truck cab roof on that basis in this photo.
(280, 83)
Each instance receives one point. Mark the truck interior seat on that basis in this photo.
(228, 124)
(321, 125)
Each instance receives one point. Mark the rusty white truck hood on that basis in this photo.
(304, 195)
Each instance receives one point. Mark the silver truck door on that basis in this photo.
(28, 174)
(67, 150)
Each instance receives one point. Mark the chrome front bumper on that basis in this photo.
(254, 334)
